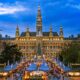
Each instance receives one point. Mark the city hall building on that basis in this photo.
(48, 42)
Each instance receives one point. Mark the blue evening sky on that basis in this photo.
(55, 12)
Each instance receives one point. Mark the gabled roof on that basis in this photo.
(32, 67)
(44, 67)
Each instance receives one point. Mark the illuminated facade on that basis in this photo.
(49, 42)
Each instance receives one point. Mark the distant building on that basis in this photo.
(0, 36)
(30, 42)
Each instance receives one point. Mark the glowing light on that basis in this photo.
(71, 74)
(77, 74)
(5, 74)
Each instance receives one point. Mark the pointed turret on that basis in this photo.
(27, 32)
(61, 32)
(0, 35)
(50, 33)
(39, 23)
(17, 32)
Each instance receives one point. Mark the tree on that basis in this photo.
(70, 54)
(11, 54)
(39, 49)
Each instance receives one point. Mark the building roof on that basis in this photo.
(44, 67)
(32, 67)
(7, 39)
(34, 34)
(67, 38)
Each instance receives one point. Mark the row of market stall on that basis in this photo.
(37, 71)
(10, 70)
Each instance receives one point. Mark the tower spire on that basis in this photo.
(39, 23)
(27, 32)
(17, 31)
(51, 33)
(61, 32)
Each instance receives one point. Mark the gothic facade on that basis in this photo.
(48, 42)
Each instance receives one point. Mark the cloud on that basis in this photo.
(53, 3)
(11, 9)
(76, 6)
